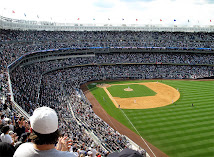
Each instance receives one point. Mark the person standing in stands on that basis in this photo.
(5, 137)
(20, 129)
(45, 134)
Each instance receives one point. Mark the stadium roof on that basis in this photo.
(138, 12)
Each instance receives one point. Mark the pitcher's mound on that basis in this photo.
(128, 89)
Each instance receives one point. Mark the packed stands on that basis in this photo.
(56, 82)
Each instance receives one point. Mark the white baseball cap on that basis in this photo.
(44, 120)
(10, 132)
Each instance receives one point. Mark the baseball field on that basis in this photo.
(176, 116)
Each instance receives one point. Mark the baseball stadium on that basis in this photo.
(147, 90)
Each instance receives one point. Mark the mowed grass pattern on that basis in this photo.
(179, 130)
(138, 91)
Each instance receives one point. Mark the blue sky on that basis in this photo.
(160, 12)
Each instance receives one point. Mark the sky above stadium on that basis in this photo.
(163, 12)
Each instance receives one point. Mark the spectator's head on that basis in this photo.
(6, 149)
(5, 129)
(89, 153)
(10, 132)
(10, 121)
(2, 116)
(24, 137)
(7, 120)
(26, 123)
(44, 124)
(21, 119)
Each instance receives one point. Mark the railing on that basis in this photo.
(88, 131)
(24, 113)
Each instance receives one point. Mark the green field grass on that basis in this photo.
(138, 91)
(179, 130)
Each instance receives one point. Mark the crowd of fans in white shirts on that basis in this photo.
(29, 93)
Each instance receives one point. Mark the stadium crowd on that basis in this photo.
(13, 43)
(30, 75)
(26, 80)
(61, 91)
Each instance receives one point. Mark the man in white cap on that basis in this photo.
(45, 134)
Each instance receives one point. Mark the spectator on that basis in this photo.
(11, 125)
(24, 137)
(5, 137)
(3, 119)
(93, 151)
(20, 129)
(6, 149)
(45, 133)
(13, 136)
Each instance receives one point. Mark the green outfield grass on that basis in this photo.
(179, 130)
(138, 91)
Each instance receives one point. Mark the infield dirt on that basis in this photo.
(166, 95)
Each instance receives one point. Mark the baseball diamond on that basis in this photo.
(177, 129)
(165, 95)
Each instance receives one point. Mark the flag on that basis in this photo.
(13, 11)
(210, 20)
(78, 18)
(160, 19)
(24, 14)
